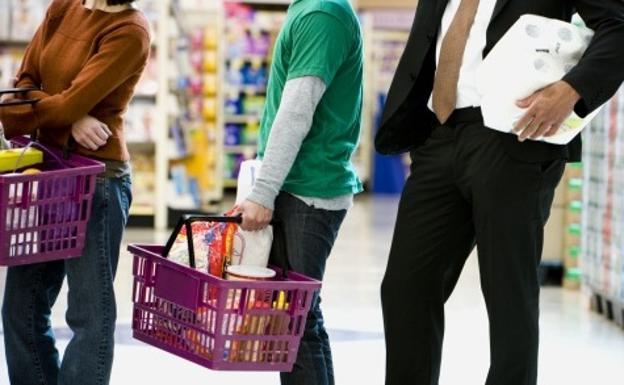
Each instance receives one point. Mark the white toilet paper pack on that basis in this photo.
(247, 176)
(533, 54)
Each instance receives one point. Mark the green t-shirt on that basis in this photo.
(321, 38)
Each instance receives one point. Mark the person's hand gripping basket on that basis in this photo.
(221, 324)
(44, 210)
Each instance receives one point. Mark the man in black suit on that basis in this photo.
(471, 185)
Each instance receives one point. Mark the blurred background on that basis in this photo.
(195, 118)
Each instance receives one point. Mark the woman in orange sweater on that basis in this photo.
(84, 62)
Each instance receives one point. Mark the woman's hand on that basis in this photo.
(90, 133)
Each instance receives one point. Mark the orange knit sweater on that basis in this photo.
(84, 62)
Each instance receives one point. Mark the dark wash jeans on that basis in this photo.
(31, 291)
(310, 234)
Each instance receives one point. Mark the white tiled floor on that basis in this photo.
(578, 347)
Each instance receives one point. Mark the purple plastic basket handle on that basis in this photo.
(47, 150)
(42, 147)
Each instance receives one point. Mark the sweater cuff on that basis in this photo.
(263, 195)
(18, 120)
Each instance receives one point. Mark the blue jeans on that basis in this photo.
(31, 291)
(310, 235)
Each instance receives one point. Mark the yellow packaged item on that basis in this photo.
(17, 158)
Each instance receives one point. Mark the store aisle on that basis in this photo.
(578, 347)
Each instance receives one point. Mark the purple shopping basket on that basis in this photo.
(216, 323)
(44, 216)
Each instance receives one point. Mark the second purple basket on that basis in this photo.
(43, 216)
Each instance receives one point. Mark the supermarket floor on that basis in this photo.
(577, 348)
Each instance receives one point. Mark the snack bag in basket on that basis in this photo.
(202, 234)
(213, 245)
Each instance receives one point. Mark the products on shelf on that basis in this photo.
(25, 17)
(203, 109)
(5, 20)
(139, 123)
(10, 61)
(143, 183)
(250, 35)
(603, 202)
(148, 84)
(573, 184)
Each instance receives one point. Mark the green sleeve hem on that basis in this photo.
(314, 72)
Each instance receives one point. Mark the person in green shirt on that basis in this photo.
(309, 132)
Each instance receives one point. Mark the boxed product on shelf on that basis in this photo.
(5, 20)
(139, 122)
(150, 9)
(143, 182)
(249, 35)
(148, 84)
(603, 203)
(10, 60)
(26, 15)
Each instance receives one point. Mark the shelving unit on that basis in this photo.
(602, 230)
(249, 35)
(189, 145)
(185, 156)
(385, 35)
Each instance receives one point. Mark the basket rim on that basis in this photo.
(293, 282)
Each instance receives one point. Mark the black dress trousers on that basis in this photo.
(465, 190)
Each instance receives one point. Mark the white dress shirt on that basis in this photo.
(467, 93)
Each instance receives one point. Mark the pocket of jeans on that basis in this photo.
(127, 184)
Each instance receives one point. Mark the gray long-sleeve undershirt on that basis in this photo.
(292, 124)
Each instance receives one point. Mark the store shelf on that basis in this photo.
(230, 183)
(242, 119)
(241, 149)
(141, 146)
(284, 3)
(144, 98)
(248, 89)
(14, 43)
(248, 59)
(142, 210)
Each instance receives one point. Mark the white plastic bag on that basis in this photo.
(247, 176)
(251, 247)
(534, 53)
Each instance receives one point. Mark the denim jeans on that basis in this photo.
(31, 291)
(310, 236)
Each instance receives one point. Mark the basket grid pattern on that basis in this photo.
(43, 216)
(228, 326)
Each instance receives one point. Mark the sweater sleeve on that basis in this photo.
(121, 54)
(292, 124)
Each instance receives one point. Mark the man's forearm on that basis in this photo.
(291, 126)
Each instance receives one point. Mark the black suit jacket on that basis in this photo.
(407, 121)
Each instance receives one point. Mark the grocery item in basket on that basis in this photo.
(17, 158)
(253, 248)
(248, 273)
(212, 243)
(249, 351)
